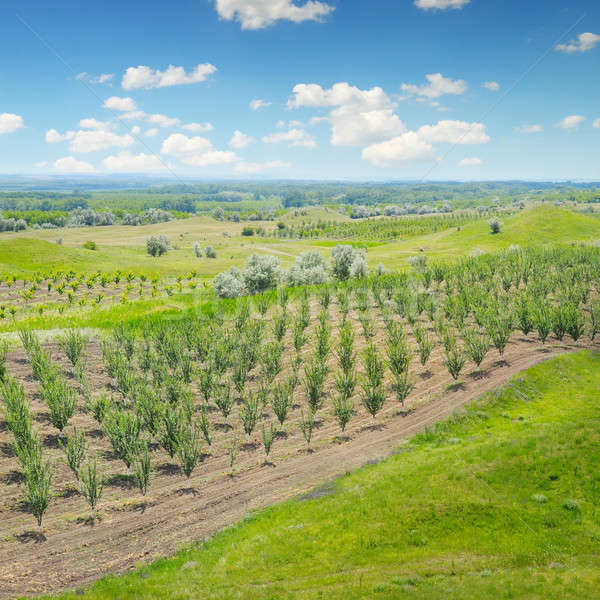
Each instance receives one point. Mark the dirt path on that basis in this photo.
(273, 251)
(75, 552)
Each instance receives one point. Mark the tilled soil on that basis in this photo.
(75, 551)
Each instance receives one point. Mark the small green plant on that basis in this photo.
(142, 470)
(75, 449)
(281, 402)
(343, 409)
(307, 424)
(90, 245)
(92, 486)
(37, 493)
(455, 361)
(249, 413)
(268, 437)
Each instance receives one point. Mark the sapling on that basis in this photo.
(36, 490)
(73, 344)
(123, 430)
(455, 361)
(373, 397)
(323, 333)
(142, 470)
(3, 355)
(374, 366)
(75, 449)
(205, 426)
(280, 323)
(232, 451)
(61, 401)
(559, 322)
(268, 437)
(271, 359)
(224, 401)
(307, 424)
(594, 319)
(189, 451)
(398, 353)
(542, 318)
(402, 387)
(314, 381)
(249, 413)
(92, 485)
(206, 383)
(16, 410)
(281, 402)
(262, 303)
(500, 329)
(477, 345)
(170, 432)
(345, 349)
(99, 407)
(345, 382)
(343, 409)
(574, 321)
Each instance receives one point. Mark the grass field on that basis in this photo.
(499, 502)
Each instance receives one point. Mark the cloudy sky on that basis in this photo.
(328, 89)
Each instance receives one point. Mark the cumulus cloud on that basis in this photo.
(583, 43)
(41, 164)
(257, 14)
(437, 85)
(571, 122)
(135, 115)
(68, 164)
(94, 124)
(120, 104)
(93, 140)
(197, 127)
(455, 132)
(240, 140)
(196, 151)
(102, 78)
(340, 94)
(126, 162)
(9, 122)
(53, 137)
(440, 4)
(136, 130)
(470, 162)
(403, 150)
(536, 128)
(597, 124)
(293, 137)
(259, 103)
(147, 78)
(152, 132)
(493, 86)
(163, 120)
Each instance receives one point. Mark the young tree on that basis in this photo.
(61, 401)
(122, 428)
(92, 486)
(205, 426)
(281, 402)
(232, 451)
(169, 436)
(402, 387)
(249, 413)
(477, 345)
(268, 437)
(455, 361)
(314, 381)
(542, 318)
(499, 329)
(73, 344)
(75, 449)
(224, 400)
(495, 225)
(38, 479)
(189, 451)
(345, 349)
(345, 383)
(142, 470)
(307, 424)
(343, 409)
(373, 397)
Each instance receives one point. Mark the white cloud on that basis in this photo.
(493, 86)
(178, 144)
(470, 162)
(259, 103)
(163, 120)
(257, 14)
(68, 164)
(571, 122)
(240, 140)
(212, 158)
(41, 164)
(293, 137)
(340, 94)
(350, 127)
(136, 130)
(437, 86)
(536, 128)
(92, 141)
(102, 78)
(9, 123)
(135, 115)
(53, 137)
(197, 127)
(280, 124)
(454, 132)
(147, 78)
(583, 43)
(597, 124)
(152, 132)
(120, 104)
(94, 124)
(252, 168)
(133, 163)
(440, 4)
(405, 149)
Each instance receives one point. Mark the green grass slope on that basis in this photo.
(500, 502)
(535, 226)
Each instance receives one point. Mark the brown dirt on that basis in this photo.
(74, 551)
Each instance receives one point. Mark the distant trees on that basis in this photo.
(495, 225)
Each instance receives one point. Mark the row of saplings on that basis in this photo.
(169, 418)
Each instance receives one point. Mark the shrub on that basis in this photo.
(61, 401)
(343, 409)
(314, 381)
(342, 257)
(247, 231)
(261, 273)
(310, 268)
(73, 344)
(281, 402)
(224, 401)
(142, 471)
(495, 225)
(359, 267)
(229, 284)
(455, 361)
(210, 252)
(307, 424)
(197, 248)
(157, 245)
(38, 479)
(123, 430)
(90, 245)
(75, 450)
(189, 451)
(268, 437)
(249, 413)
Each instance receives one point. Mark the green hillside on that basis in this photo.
(501, 502)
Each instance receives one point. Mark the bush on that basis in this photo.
(495, 225)
(210, 252)
(261, 273)
(197, 249)
(310, 268)
(247, 231)
(90, 245)
(359, 267)
(229, 284)
(157, 245)
(342, 257)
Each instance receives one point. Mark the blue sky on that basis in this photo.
(348, 89)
